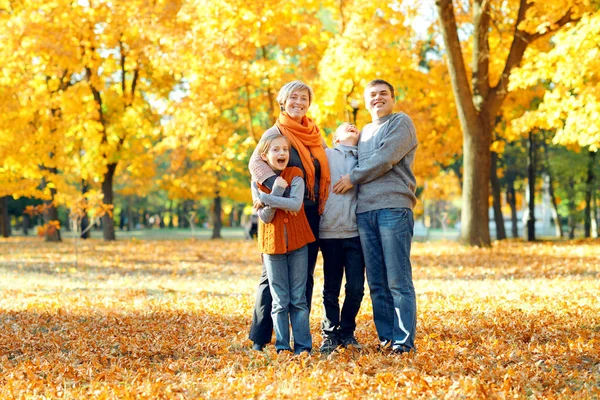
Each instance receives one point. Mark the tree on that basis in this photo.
(480, 98)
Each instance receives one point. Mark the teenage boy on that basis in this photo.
(386, 198)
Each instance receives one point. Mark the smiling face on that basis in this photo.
(346, 134)
(379, 100)
(278, 154)
(296, 105)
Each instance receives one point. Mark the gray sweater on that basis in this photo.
(339, 217)
(386, 153)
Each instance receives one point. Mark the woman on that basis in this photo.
(307, 152)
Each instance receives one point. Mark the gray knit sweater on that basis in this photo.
(386, 153)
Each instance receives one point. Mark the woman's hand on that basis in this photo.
(257, 205)
(281, 182)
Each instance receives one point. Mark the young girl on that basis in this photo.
(283, 233)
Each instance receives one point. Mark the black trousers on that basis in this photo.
(261, 329)
(342, 256)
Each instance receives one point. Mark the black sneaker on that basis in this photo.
(350, 341)
(258, 347)
(329, 344)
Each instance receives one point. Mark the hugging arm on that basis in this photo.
(292, 203)
(265, 213)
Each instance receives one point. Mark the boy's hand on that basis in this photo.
(343, 185)
(281, 182)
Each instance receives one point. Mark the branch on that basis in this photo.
(520, 42)
(456, 64)
(481, 51)
(136, 75)
(122, 54)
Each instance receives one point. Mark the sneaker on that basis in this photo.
(258, 347)
(329, 344)
(350, 341)
(384, 345)
(399, 349)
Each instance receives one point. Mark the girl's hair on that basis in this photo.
(266, 140)
(286, 91)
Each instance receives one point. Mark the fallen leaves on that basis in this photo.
(170, 319)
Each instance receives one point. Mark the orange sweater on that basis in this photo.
(271, 236)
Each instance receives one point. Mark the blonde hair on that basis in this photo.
(339, 128)
(286, 91)
(265, 141)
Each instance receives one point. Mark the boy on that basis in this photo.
(340, 246)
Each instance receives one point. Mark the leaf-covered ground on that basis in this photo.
(169, 319)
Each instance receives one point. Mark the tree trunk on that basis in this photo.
(555, 214)
(589, 189)
(4, 217)
(51, 213)
(531, 188)
(26, 224)
(476, 184)
(476, 128)
(511, 199)
(130, 221)
(217, 223)
(497, 202)
(595, 231)
(108, 224)
(572, 207)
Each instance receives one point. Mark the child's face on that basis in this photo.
(278, 154)
(346, 134)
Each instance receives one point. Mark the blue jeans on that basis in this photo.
(342, 256)
(287, 278)
(262, 324)
(386, 237)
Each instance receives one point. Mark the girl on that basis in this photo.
(283, 234)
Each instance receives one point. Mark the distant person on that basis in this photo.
(340, 246)
(307, 152)
(282, 239)
(251, 228)
(386, 198)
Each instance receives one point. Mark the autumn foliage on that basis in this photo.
(170, 319)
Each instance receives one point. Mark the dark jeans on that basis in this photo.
(261, 329)
(339, 256)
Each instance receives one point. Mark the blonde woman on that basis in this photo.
(307, 152)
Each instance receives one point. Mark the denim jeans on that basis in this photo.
(339, 256)
(386, 237)
(287, 278)
(262, 324)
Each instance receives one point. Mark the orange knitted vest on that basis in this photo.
(271, 236)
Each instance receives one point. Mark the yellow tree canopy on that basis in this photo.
(84, 82)
(571, 71)
(377, 40)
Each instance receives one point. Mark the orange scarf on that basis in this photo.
(306, 139)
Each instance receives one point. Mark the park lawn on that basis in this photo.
(169, 319)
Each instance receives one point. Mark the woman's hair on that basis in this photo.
(266, 140)
(286, 91)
